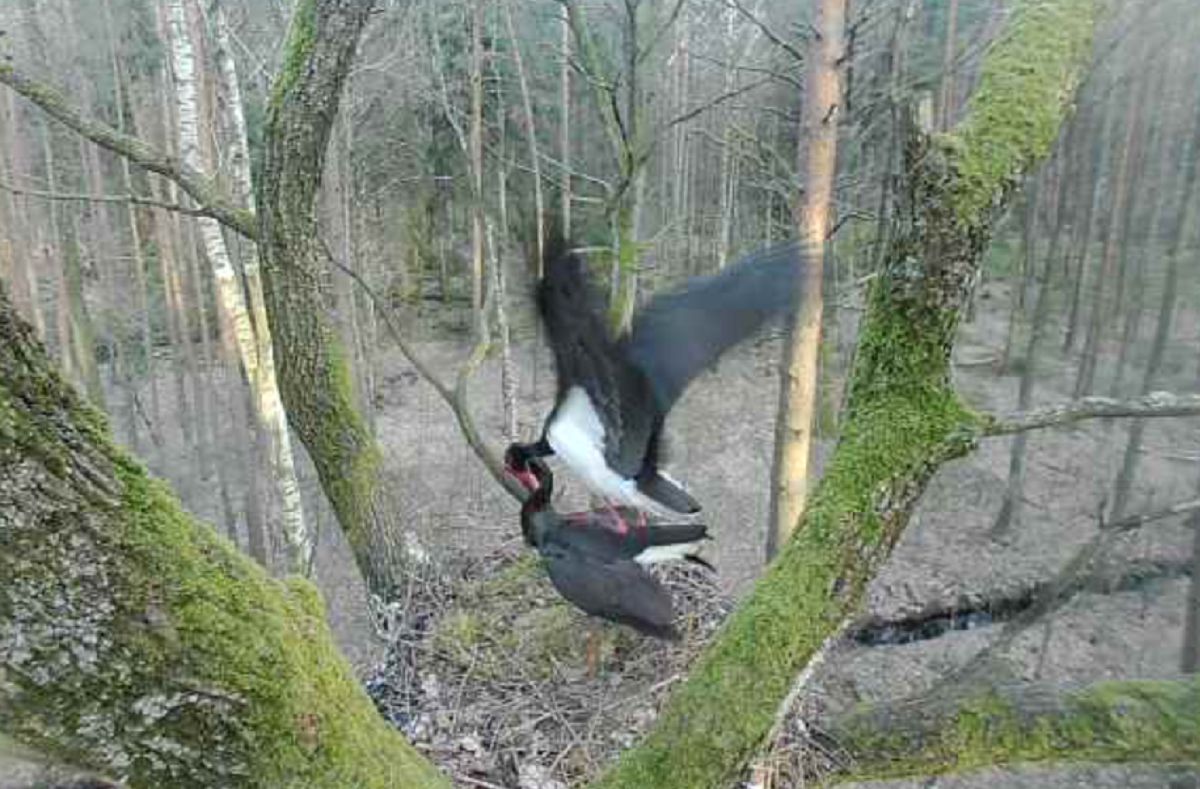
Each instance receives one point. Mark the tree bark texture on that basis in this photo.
(136, 642)
(799, 365)
(313, 367)
(902, 418)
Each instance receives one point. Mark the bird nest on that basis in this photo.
(486, 671)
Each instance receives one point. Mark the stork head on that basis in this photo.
(524, 465)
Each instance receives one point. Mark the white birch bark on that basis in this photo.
(252, 334)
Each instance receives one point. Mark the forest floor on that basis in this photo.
(949, 573)
(948, 570)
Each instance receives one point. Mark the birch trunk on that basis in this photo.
(314, 377)
(799, 366)
(252, 338)
(535, 160)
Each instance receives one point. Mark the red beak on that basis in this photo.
(527, 479)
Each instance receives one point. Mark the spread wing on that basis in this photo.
(676, 336)
(574, 314)
(619, 591)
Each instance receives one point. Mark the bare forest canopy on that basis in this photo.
(282, 254)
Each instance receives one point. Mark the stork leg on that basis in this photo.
(592, 650)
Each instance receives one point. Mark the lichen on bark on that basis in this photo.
(139, 643)
(313, 371)
(981, 726)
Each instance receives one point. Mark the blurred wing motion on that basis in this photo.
(614, 395)
(679, 335)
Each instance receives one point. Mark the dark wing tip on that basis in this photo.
(667, 493)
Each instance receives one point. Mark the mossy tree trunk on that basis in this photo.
(313, 365)
(903, 418)
(975, 727)
(136, 642)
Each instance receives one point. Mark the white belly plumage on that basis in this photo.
(576, 435)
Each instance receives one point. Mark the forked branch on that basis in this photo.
(195, 183)
(1155, 404)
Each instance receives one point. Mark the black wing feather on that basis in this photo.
(618, 591)
(573, 312)
(678, 335)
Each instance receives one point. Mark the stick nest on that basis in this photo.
(486, 670)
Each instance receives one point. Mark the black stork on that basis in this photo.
(614, 393)
(595, 559)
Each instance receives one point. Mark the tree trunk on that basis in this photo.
(564, 126)
(1190, 658)
(314, 376)
(1010, 510)
(135, 236)
(476, 156)
(1112, 237)
(902, 419)
(24, 282)
(188, 664)
(251, 338)
(535, 161)
(1166, 311)
(948, 91)
(1023, 274)
(1013, 723)
(1095, 189)
(799, 365)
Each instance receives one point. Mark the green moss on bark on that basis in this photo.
(1126, 721)
(903, 418)
(301, 39)
(1017, 110)
(138, 642)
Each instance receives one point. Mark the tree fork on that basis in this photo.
(313, 367)
(903, 419)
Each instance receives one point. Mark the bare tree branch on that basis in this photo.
(455, 398)
(1155, 404)
(1134, 521)
(714, 102)
(87, 198)
(767, 31)
(220, 206)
